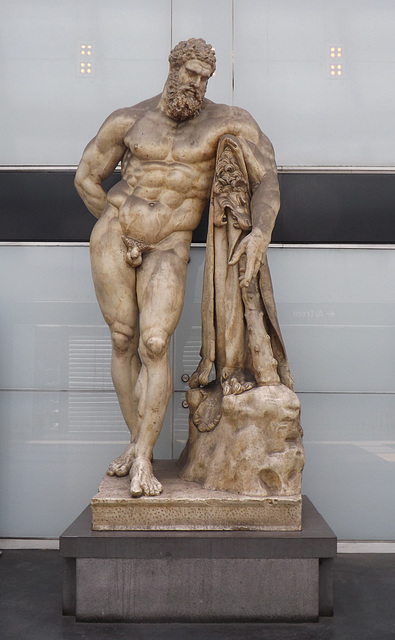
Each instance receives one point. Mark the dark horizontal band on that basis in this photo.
(328, 208)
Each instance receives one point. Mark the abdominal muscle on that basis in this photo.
(148, 221)
(157, 203)
(151, 219)
(155, 199)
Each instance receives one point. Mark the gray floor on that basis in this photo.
(30, 606)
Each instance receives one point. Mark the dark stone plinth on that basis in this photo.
(201, 576)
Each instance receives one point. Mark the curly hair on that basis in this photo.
(193, 48)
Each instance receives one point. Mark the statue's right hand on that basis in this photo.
(254, 247)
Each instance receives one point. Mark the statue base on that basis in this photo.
(198, 576)
(186, 506)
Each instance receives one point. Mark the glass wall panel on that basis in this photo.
(349, 441)
(337, 311)
(54, 451)
(318, 77)
(67, 65)
(213, 22)
(60, 420)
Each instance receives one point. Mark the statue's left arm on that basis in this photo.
(265, 201)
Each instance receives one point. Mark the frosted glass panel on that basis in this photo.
(350, 462)
(60, 420)
(337, 312)
(54, 450)
(283, 77)
(211, 21)
(342, 358)
(51, 109)
(50, 466)
(282, 72)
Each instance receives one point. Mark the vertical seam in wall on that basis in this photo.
(172, 430)
(171, 24)
(233, 52)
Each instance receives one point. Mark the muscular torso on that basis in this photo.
(167, 171)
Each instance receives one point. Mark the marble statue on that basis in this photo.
(178, 151)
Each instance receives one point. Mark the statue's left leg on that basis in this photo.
(160, 290)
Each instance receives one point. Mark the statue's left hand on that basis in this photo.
(254, 247)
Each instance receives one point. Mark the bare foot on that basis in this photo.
(143, 479)
(121, 465)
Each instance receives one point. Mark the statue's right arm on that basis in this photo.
(100, 158)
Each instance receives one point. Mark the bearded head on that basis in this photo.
(184, 99)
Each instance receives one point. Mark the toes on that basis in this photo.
(121, 465)
(123, 470)
(143, 483)
(151, 487)
(135, 488)
(155, 489)
(113, 468)
(118, 469)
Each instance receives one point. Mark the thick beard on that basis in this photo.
(180, 105)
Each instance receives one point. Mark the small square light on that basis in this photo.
(86, 49)
(86, 68)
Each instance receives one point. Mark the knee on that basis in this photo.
(121, 341)
(155, 344)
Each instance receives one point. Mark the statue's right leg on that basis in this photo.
(115, 286)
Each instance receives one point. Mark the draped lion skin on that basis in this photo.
(140, 244)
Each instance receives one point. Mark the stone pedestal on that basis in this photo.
(198, 576)
(187, 506)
